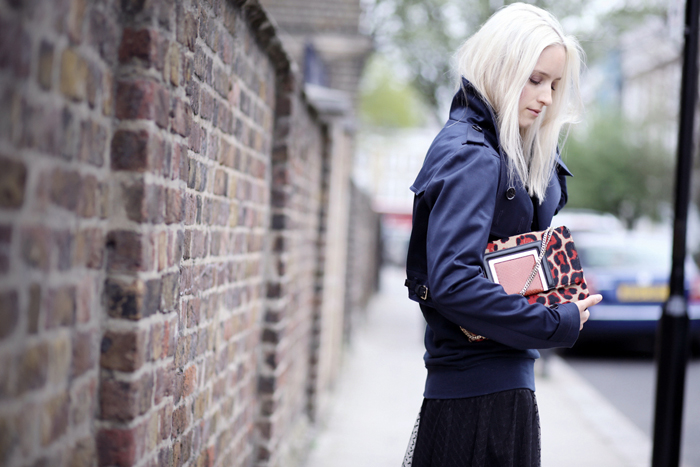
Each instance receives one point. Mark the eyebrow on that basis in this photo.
(547, 75)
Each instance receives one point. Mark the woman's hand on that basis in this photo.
(583, 307)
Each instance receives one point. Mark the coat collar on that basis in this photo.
(469, 106)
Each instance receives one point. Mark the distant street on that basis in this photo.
(629, 383)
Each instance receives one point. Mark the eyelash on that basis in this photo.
(538, 82)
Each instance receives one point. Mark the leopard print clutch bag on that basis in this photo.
(543, 266)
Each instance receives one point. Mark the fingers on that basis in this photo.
(585, 314)
(583, 307)
(589, 302)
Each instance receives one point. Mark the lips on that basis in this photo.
(534, 112)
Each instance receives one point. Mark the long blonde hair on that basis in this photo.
(498, 60)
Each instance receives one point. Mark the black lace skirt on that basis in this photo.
(496, 430)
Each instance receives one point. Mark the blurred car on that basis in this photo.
(631, 271)
(587, 220)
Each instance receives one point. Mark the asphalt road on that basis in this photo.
(629, 382)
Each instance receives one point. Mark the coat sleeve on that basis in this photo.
(462, 199)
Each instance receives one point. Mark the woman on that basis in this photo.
(492, 172)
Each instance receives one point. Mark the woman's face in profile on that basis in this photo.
(542, 84)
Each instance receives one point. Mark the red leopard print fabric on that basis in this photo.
(562, 260)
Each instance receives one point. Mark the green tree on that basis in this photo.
(387, 100)
(421, 36)
(617, 170)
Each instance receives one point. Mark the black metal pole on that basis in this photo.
(672, 333)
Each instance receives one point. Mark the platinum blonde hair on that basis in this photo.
(498, 60)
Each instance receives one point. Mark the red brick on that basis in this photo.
(140, 44)
(130, 150)
(189, 380)
(89, 197)
(132, 299)
(119, 447)
(62, 243)
(60, 307)
(165, 416)
(123, 350)
(89, 248)
(84, 353)
(174, 205)
(93, 142)
(181, 117)
(9, 312)
(13, 178)
(181, 420)
(84, 402)
(125, 400)
(186, 28)
(142, 100)
(163, 385)
(126, 251)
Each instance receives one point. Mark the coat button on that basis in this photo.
(477, 128)
(510, 193)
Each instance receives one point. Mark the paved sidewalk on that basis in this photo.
(379, 393)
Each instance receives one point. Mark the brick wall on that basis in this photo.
(163, 236)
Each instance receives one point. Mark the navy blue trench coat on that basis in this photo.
(464, 199)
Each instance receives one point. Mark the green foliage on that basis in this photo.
(423, 35)
(386, 100)
(617, 170)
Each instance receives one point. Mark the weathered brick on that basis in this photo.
(34, 308)
(54, 419)
(9, 312)
(181, 121)
(125, 400)
(130, 150)
(123, 350)
(60, 307)
(119, 447)
(33, 368)
(94, 84)
(181, 420)
(126, 251)
(88, 249)
(186, 28)
(83, 454)
(62, 243)
(140, 44)
(76, 15)
(134, 299)
(84, 353)
(142, 99)
(93, 142)
(13, 178)
(66, 189)
(104, 34)
(15, 51)
(174, 206)
(74, 75)
(45, 72)
(163, 385)
(170, 291)
(84, 402)
(5, 243)
(171, 72)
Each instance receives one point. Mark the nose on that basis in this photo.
(545, 96)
